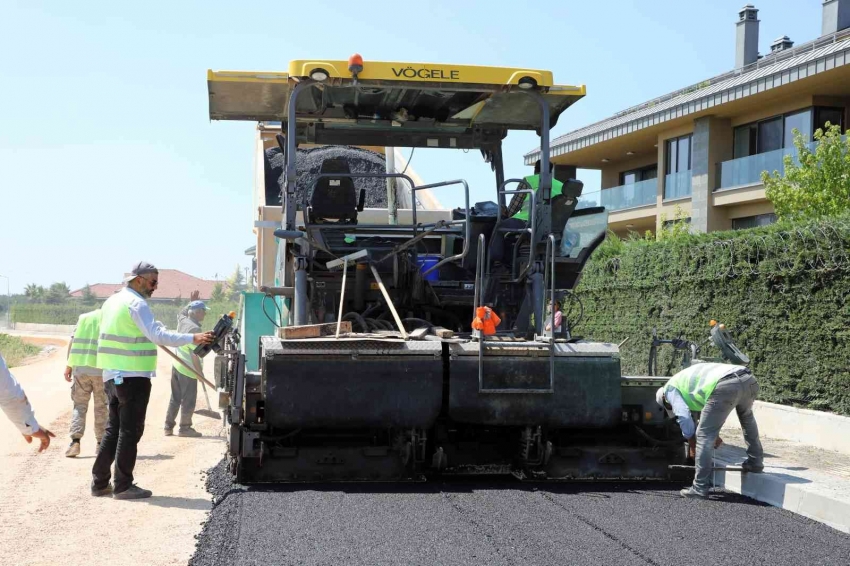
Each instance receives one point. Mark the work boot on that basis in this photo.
(189, 433)
(751, 468)
(169, 432)
(691, 493)
(102, 492)
(133, 492)
(74, 449)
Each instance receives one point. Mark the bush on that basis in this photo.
(68, 313)
(782, 291)
(15, 350)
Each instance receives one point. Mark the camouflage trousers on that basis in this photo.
(85, 386)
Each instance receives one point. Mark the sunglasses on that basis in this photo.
(153, 282)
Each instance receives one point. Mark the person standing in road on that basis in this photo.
(184, 384)
(713, 390)
(126, 352)
(87, 381)
(17, 407)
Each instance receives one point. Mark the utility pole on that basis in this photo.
(8, 302)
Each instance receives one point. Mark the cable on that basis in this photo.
(417, 321)
(409, 157)
(360, 320)
(265, 312)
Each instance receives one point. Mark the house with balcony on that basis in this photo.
(703, 148)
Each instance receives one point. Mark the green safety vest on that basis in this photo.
(84, 345)
(534, 181)
(696, 383)
(121, 345)
(185, 354)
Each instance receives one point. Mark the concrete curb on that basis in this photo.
(58, 329)
(810, 494)
(814, 428)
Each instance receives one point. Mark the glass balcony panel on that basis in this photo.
(619, 198)
(677, 185)
(747, 170)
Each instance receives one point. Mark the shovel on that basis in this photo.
(208, 412)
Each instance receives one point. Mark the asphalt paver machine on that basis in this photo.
(377, 373)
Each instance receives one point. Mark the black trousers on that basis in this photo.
(497, 242)
(128, 404)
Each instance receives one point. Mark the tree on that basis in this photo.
(35, 293)
(217, 293)
(88, 297)
(235, 284)
(817, 183)
(58, 293)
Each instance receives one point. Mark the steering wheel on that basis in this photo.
(723, 340)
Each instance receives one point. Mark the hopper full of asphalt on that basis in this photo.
(309, 163)
(495, 522)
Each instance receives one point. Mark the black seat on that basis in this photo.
(564, 204)
(335, 198)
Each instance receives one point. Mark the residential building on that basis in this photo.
(703, 148)
(173, 285)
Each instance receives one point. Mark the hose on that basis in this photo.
(417, 321)
(655, 441)
(360, 320)
(265, 312)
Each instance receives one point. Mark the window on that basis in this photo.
(678, 155)
(777, 132)
(801, 121)
(636, 175)
(753, 221)
(770, 135)
(832, 115)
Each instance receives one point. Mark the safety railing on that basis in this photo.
(677, 185)
(746, 171)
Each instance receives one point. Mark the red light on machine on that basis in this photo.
(355, 64)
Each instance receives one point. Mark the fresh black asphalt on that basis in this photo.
(502, 521)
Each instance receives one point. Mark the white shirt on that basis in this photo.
(153, 330)
(14, 402)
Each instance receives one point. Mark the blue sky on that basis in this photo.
(107, 154)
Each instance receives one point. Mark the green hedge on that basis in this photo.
(67, 313)
(781, 290)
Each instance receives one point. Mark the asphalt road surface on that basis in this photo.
(496, 522)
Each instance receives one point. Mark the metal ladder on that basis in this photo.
(481, 266)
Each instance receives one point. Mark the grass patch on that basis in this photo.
(15, 350)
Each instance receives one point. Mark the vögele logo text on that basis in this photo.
(425, 73)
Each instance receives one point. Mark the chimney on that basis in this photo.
(781, 44)
(747, 37)
(836, 16)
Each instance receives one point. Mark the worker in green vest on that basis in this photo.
(87, 380)
(184, 384)
(517, 214)
(126, 352)
(713, 390)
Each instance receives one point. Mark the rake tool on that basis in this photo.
(208, 412)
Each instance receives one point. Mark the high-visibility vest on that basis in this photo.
(84, 345)
(534, 181)
(696, 383)
(185, 353)
(121, 345)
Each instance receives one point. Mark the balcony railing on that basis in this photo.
(622, 197)
(677, 185)
(747, 170)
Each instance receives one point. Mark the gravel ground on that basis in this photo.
(497, 522)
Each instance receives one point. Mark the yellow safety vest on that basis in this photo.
(122, 346)
(84, 345)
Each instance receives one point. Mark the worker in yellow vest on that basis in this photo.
(82, 370)
(517, 214)
(126, 352)
(184, 384)
(713, 390)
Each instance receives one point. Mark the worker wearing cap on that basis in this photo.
(184, 384)
(17, 407)
(713, 390)
(87, 380)
(126, 352)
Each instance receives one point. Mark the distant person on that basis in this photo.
(714, 390)
(184, 384)
(126, 353)
(517, 214)
(558, 319)
(17, 408)
(87, 381)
